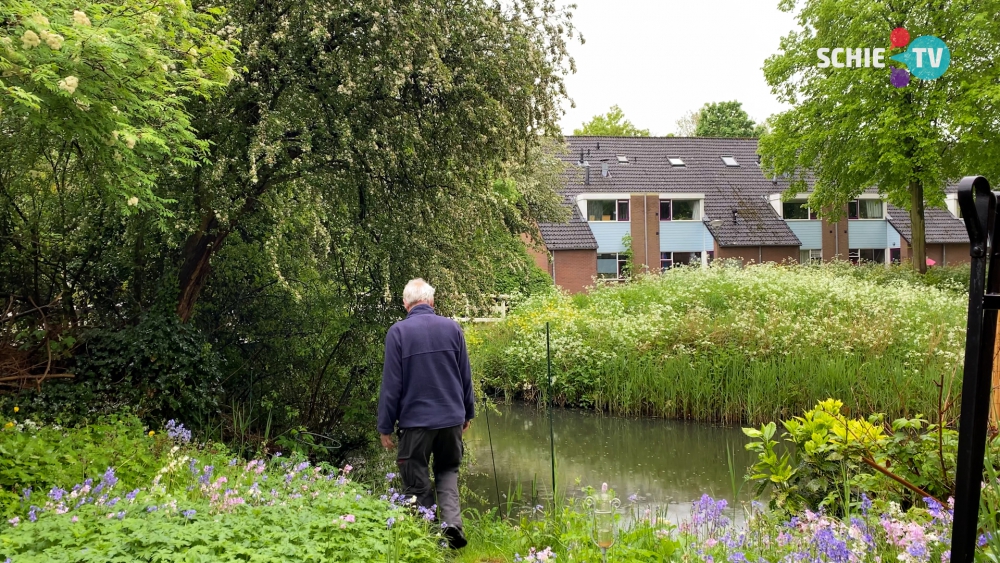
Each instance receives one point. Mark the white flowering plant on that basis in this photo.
(100, 89)
(733, 344)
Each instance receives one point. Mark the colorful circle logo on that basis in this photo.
(926, 58)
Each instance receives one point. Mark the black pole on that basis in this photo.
(489, 435)
(978, 204)
(552, 440)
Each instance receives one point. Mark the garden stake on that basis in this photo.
(552, 440)
(489, 435)
(978, 205)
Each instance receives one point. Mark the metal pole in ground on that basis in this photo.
(552, 440)
(489, 435)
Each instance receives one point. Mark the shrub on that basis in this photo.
(733, 344)
(165, 500)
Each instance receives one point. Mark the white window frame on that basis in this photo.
(621, 258)
(809, 211)
(698, 209)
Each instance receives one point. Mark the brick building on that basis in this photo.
(684, 200)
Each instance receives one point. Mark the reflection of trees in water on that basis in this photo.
(663, 460)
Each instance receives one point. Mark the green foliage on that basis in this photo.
(94, 95)
(734, 344)
(725, 119)
(827, 451)
(611, 124)
(359, 145)
(161, 367)
(41, 457)
(850, 130)
(165, 500)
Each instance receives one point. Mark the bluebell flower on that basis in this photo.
(189, 514)
(131, 496)
(56, 494)
(109, 478)
(32, 514)
(866, 504)
(26, 493)
(390, 522)
(120, 515)
(737, 557)
(390, 476)
(984, 539)
(151, 508)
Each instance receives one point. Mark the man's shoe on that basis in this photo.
(456, 539)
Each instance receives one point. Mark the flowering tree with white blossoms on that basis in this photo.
(93, 95)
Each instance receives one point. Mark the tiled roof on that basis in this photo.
(755, 222)
(648, 170)
(940, 226)
(575, 234)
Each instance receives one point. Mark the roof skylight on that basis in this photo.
(622, 159)
(730, 161)
(674, 161)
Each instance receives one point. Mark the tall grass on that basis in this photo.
(735, 345)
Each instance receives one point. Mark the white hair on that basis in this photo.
(418, 291)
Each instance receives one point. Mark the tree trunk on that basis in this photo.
(198, 251)
(918, 242)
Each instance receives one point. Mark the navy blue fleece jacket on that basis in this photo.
(426, 378)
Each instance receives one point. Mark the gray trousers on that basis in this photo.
(416, 446)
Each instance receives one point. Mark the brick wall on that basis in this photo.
(956, 254)
(758, 254)
(836, 246)
(538, 253)
(575, 269)
(645, 227)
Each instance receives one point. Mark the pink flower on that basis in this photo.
(348, 518)
(347, 468)
(604, 487)
(74, 519)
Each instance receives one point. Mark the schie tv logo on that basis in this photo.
(927, 57)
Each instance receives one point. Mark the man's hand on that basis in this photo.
(387, 441)
(466, 426)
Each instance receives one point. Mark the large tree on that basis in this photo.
(850, 129)
(725, 119)
(360, 145)
(611, 124)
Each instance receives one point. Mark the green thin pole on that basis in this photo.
(496, 482)
(552, 440)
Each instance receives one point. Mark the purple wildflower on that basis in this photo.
(151, 508)
(56, 494)
(176, 431)
(390, 476)
(131, 496)
(189, 514)
(26, 493)
(390, 522)
(32, 514)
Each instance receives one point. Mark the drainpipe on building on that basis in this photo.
(944, 254)
(553, 256)
(760, 254)
(645, 230)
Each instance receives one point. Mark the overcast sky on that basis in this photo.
(659, 59)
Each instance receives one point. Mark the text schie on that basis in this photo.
(840, 57)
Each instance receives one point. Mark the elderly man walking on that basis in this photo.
(427, 389)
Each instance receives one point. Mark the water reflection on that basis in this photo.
(663, 462)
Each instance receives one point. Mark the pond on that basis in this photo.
(667, 464)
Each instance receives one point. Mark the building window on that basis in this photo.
(810, 256)
(680, 210)
(865, 209)
(670, 259)
(607, 210)
(866, 255)
(796, 210)
(895, 256)
(611, 266)
(666, 258)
